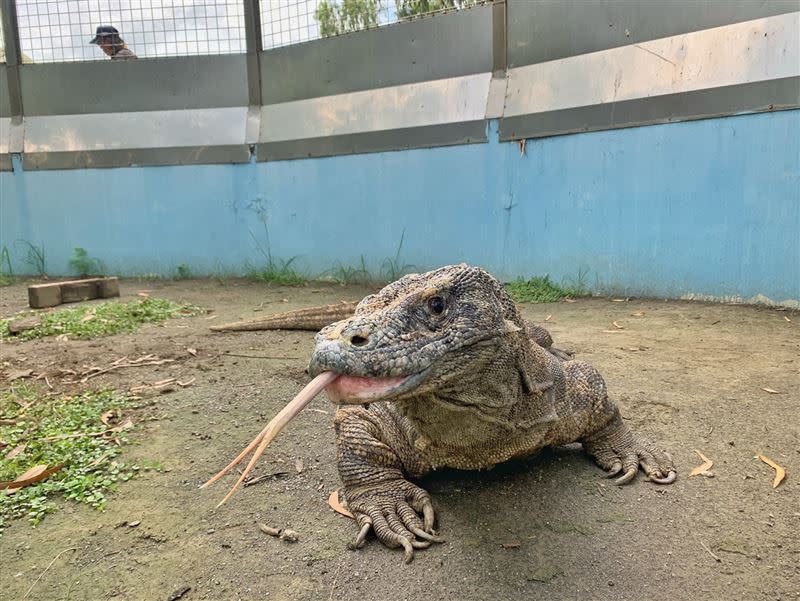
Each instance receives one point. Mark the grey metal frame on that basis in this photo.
(278, 104)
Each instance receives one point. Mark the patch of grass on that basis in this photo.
(392, 268)
(104, 319)
(541, 290)
(346, 274)
(276, 271)
(71, 423)
(6, 271)
(182, 272)
(83, 264)
(34, 256)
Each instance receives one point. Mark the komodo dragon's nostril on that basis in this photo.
(358, 340)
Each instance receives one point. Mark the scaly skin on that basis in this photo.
(483, 386)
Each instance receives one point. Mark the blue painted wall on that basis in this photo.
(707, 207)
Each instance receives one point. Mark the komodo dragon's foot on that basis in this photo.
(392, 510)
(616, 449)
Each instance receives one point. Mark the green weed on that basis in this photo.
(182, 272)
(61, 430)
(346, 274)
(82, 264)
(6, 271)
(541, 290)
(34, 256)
(103, 319)
(392, 268)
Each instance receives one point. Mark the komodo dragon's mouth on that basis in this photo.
(356, 390)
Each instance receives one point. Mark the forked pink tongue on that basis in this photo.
(357, 389)
(273, 428)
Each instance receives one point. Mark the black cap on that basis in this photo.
(104, 31)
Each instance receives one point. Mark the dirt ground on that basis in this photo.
(686, 375)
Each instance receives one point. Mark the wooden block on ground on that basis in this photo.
(56, 293)
(108, 287)
(44, 295)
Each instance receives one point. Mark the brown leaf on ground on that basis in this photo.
(105, 417)
(16, 451)
(771, 391)
(780, 473)
(126, 425)
(706, 465)
(32, 476)
(7, 422)
(515, 544)
(144, 293)
(336, 505)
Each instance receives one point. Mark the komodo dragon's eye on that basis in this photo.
(436, 305)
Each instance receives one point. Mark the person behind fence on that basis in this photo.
(107, 37)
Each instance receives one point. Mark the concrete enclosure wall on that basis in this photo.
(700, 208)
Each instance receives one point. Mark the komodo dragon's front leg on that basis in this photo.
(375, 452)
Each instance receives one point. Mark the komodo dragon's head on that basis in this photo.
(421, 333)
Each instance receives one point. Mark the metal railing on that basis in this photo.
(61, 30)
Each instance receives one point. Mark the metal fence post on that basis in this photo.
(499, 38)
(13, 58)
(252, 24)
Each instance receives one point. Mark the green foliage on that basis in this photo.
(103, 319)
(71, 423)
(276, 271)
(541, 290)
(408, 9)
(34, 256)
(346, 274)
(336, 17)
(6, 271)
(182, 272)
(83, 264)
(392, 268)
(343, 16)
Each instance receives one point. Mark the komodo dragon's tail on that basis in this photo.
(312, 318)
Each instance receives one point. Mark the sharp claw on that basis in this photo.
(361, 538)
(408, 556)
(626, 477)
(427, 513)
(615, 469)
(425, 536)
(669, 479)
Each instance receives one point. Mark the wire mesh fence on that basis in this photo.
(285, 22)
(67, 30)
(81, 30)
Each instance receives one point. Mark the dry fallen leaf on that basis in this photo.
(32, 476)
(780, 473)
(771, 391)
(512, 545)
(16, 451)
(105, 417)
(192, 351)
(616, 325)
(144, 293)
(638, 314)
(126, 425)
(707, 464)
(334, 503)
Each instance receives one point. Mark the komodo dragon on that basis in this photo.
(441, 370)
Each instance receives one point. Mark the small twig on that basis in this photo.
(710, 552)
(121, 365)
(47, 568)
(78, 435)
(258, 479)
